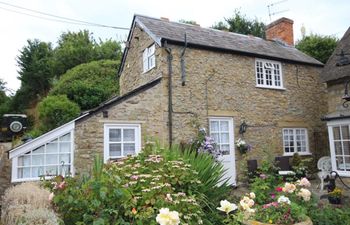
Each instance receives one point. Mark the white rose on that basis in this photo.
(166, 217)
(283, 199)
(226, 206)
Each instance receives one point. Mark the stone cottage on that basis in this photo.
(176, 78)
(336, 75)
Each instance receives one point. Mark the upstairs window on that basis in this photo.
(295, 140)
(149, 58)
(268, 74)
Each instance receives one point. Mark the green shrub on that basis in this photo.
(329, 215)
(89, 84)
(55, 111)
(131, 191)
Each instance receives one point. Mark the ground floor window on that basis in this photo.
(221, 130)
(339, 140)
(295, 140)
(121, 140)
(51, 159)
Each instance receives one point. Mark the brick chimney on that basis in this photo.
(281, 29)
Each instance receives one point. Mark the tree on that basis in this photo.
(238, 23)
(4, 99)
(318, 46)
(188, 22)
(35, 73)
(75, 48)
(89, 84)
(55, 111)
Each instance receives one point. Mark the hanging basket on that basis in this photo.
(243, 149)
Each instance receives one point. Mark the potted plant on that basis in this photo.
(334, 197)
(242, 146)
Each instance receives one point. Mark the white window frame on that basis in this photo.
(261, 76)
(331, 125)
(107, 127)
(307, 150)
(230, 131)
(149, 58)
(15, 159)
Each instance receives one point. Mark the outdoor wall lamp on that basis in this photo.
(243, 127)
(346, 96)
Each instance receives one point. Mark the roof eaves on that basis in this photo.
(143, 27)
(213, 48)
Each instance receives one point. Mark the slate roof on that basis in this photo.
(333, 72)
(173, 32)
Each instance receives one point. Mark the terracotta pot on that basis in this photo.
(252, 222)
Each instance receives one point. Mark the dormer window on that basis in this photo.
(268, 74)
(149, 58)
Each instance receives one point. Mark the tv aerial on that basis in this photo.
(271, 13)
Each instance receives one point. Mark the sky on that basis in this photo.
(317, 16)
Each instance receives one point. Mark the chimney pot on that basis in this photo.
(164, 18)
(281, 29)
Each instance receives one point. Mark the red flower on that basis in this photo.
(279, 189)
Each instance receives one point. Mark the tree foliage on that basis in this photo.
(4, 99)
(55, 111)
(35, 73)
(239, 23)
(318, 46)
(89, 84)
(192, 22)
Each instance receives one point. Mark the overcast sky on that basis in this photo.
(318, 16)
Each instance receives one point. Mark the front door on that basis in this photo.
(221, 130)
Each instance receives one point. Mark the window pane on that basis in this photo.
(38, 160)
(65, 137)
(225, 149)
(129, 149)
(24, 160)
(129, 135)
(51, 159)
(41, 149)
(52, 148)
(115, 135)
(346, 146)
(64, 170)
(345, 132)
(338, 148)
(224, 126)
(347, 163)
(225, 138)
(216, 138)
(115, 150)
(64, 158)
(214, 126)
(336, 133)
(37, 171)
(65, 147)
(23, 172)
(340, 163)
(51, 170)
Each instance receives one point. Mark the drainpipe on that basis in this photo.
(182, 62)
(170, 93)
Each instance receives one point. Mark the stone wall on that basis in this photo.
(334, 97)
(133, 75)
(220, 84)
(144, 108)
(5, 168)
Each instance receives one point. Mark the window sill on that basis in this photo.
(144, 72)
(272, 88)
(300, 153)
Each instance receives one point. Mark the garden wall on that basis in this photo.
(5, 168)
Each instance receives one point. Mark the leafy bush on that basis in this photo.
(55, 111)
(329, 215)
(89, 84)
(25, 204)
(131, 191)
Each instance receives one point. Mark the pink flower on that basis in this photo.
(263, 176)
(134, 177)
(273, 195)
(304, 182)
(62, 185)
